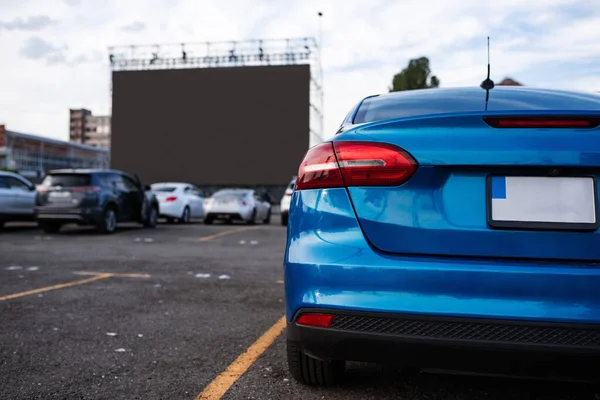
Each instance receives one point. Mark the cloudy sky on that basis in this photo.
(53, 53)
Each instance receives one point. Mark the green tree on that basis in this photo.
(417, 75)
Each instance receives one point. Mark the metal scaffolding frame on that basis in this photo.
(231, 54)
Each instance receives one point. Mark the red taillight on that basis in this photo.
(319, 169)
(86, 189)
(334, 164)
(316, 320)
(542, 122)
(374, 164)
(244, 203)
(170, 199)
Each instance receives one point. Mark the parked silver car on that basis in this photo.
(17, 198)
(237, 205)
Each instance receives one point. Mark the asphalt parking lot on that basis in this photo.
(179, 312)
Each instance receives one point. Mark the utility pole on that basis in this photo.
(321, 73)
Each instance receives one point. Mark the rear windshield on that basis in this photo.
(164, 189)
(67, 180)
(414, 103)
(230, 193)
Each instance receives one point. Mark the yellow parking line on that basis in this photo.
(228, 232)
(55, 287)
(221, 384)
(96, 276)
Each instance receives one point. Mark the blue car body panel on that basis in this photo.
(329, 264)
(425, 247)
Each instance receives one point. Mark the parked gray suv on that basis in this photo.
(99, 197)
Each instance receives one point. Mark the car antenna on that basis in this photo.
(487, 84)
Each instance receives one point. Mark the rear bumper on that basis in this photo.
(83, 216)
(441, 342)
(225, 216)
(329, 265)
(170, 210)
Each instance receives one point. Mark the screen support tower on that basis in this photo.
(230, 54)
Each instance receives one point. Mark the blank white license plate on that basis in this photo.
(59, 195)
(542, 202)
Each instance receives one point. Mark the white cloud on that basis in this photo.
(538, 42)
(136, 26)
(33, 23)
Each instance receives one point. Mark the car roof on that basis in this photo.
(87, 171)
(498, 93)
(177, 184)
(413, 103)
(234, 190)
(13, 175)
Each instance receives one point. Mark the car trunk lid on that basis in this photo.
(447, 207)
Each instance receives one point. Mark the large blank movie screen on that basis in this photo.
(213, 126)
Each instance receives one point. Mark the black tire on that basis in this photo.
(267, 220)
(185, 216)
(284, 219)
(208, 220)
(152, 220)
(311, 371)
(50, 227)
(1, 225)
(108, 222)
(252, 219)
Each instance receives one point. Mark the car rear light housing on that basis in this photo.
(170, 199)
(355, 163)
(315, 320)
(542, 122)
(244, 203)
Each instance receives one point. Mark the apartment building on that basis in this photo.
(89, 129)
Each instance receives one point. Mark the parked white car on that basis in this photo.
(284, 205)
(178, 201)
(17, 198)
(238, 205)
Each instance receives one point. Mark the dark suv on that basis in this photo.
(93, 197)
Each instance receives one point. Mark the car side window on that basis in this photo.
(187, 190)
(117, 182)
(17, 184)
(129, 184)
(196, 191)
(104, 180)
(4, 183)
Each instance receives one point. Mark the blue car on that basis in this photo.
(444, 223)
